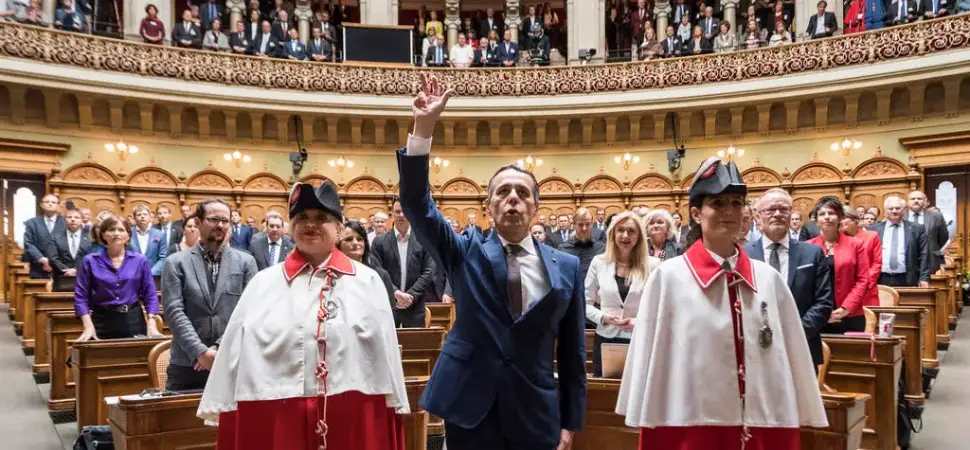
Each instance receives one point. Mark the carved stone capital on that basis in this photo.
(662, 9)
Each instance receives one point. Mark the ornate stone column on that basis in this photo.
(236, 9)
(452, 21)
(49, 7)
(378, 12)
(512, 18)
(662, 12)
(586, 28)
(730, 8)
(303, 15)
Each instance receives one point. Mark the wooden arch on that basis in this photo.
(880, 167)
(602, 184)
(152, 176)
(651, 181)
(816, 172)
(365, 184)
(556, 185)
(210, 179)
(265, 181)
(316, 179)
(761, 176)
(89, 172)
(461, 186)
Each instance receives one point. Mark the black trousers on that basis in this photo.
(598, 342)
(412, 317)
(110, 323)
(486, 436)
(893, 279)
(848, 324)
(184, 378)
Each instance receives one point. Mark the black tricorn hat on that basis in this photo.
(304, 196)
(714, 177)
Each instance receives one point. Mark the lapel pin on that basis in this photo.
(553, 259)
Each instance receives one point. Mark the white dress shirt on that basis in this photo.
(462, 56)
(919, 219)
(782, 254)
(402, 252)
(142, 239)
(887, 242)
(73, 242)
(535, 285)
(820, 24)
(279, 250)
(50, 222)
(263, 43)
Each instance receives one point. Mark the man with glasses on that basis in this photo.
(202, 287)
(809, 279)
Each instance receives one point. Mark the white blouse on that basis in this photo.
(601, 287)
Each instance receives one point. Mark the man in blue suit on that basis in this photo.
(39, 235)
(809, 275)
(148, 241)
(516, 301)
(508, 51)
(241, 234)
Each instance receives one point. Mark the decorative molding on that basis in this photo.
(97, 53)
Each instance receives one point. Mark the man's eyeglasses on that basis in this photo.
(784, 210)
(217, 221)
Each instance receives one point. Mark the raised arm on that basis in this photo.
(430, 227)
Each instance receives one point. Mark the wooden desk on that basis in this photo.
(442, 315)
(44, 303)
(949, 315)
(924, 298)
(63, 329)
(106, 369)
(24, 286)
(909, 324)
(14, 274)
(952, 271)
(417, 425)
(156, 423)
(846, 413)
(10, 266)
(421, 343)
(852, 369)
(416, 367)
(28, 305)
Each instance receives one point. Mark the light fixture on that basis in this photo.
(122, 149)
(625, 160)
(529, 163)
(845, 146)
(730, 153)
(237, 158)
(436, 164)
(340, 163)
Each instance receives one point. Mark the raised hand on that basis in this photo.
(428, 105)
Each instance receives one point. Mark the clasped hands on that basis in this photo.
(402, 300)
(623, 324)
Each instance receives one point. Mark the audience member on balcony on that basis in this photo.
(278, 7)
(319, 48)
(822, 24)
(426, 43)
(613, 24)
(152, 28)
(190, 236)
(68, 18)
(725, 40)
(490, 24)
(680, 9)
(935, 8)
(209, 11)
(472, 39)
(684, 30)
(266, 44)
(8, 9)
(31, 13)
(709, 24)
(780, 36)
(749, 15)
(639, 21)
(855, 22)
(876, 15)
(294, 49)
(671, 44)
(486, 53)
(338, 12)
(754, 36)
(466, 25)
(111, 287)
(239, 42)
(962, 6)
(553, 27)
(433, 27)
(783, 17)
(461, 54)
(698, 44)
(508, 51)
(188, 34)
(650, 48)
(215, 39)
(437, 54)
(327, 29)
(252, 25)
(281, 29)
(529, 22)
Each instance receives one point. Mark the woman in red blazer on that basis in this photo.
(851, 268)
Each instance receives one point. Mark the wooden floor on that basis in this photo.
(24, 423)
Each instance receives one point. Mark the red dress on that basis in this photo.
(855, 17)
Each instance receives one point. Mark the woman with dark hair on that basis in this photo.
(110, 284)
(152, 28)
(850, 264)
(741, 327)
(190, 235)
(354, 243)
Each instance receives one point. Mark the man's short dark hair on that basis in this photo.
(160, 207)
(517, 168)
(823, 4)
(200, 208)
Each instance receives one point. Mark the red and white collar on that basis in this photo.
(337, 261)
(706, 270)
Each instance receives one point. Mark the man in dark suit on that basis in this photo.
(209, 10)
(473, 224)
(69, 248)
(516, 302)
(241, 234)
(172, 231)
(490, 23)
(935, 8)
(273, 247)
(320, 49)
(561, 234)
(508, 51)
(294, 49)
(903, 11)
(710, 27)
(266, 44)
(935, 225)
(437, 54)
(671, 44)
(822, 24)
(238, 41)
(583, 244)
(281, 29)
(809, 229)
(39, 234)
(809, 279)
(905, 260)
(639, 21)
(410, 266)
(187, 34)
(678, 10)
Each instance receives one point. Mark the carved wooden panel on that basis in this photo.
(803, 205)
(315, 179)
(451, 213)
(152, 177)
(266, 182)
(104, 204)
(879, 168)
(653, 182)
(461, 186)
(555, 185)
(602, 183)
(355, 213)
(365, 185)
(866, 200)
(761, 177)
(817, 172)
(90, 174)
(211, 180)
(255, 211)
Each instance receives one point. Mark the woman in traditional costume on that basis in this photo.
(855, 17)
(310, 358)
(718, 358)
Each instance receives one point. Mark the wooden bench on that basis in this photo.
(909, 324)
(63, 329)
(924, 298)
(44, 303)
(442, 315)
(942, 283)
(26, 286)
(16, 285)
(108, 368)
(421, 343)
(853, 369)
(846, 413)
(28, 306)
